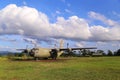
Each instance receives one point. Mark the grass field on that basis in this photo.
(80, 68)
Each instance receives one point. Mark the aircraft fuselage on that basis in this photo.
(44, 53)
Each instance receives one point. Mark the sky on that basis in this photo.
(81, 23)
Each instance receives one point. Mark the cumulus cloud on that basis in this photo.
(102, 18)
(71, 28)
(24, 3)
(80, 44)
(99, 33)
(23, 20)
(29, 22)
(103, 33)
(29, 40)
(34, 24)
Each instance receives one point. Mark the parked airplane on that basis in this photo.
(49, 53)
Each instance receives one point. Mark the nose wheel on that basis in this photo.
(36, 58)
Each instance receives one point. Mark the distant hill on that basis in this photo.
(5, 52)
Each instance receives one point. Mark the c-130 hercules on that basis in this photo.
(53, 53)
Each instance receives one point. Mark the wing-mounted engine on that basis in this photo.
(69, 50)
(54, 53)
(26, 51)
(32, 53)
(29, 52)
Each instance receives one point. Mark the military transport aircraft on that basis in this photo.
(49, 53)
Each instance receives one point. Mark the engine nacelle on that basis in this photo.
(54, 53)
(69, 50)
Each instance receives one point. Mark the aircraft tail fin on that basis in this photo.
(61, 43)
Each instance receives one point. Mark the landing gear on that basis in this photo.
(45, 58)
(36, 58)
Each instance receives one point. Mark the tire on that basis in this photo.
(36, 58)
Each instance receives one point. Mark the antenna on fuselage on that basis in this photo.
(67, 45)
(55, 46)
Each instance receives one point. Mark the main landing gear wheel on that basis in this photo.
(36, 58)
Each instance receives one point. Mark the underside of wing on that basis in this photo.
(78, 48)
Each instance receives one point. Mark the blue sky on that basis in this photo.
(81, 23)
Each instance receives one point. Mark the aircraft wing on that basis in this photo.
(77, 48)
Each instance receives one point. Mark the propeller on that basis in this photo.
(54, 53)
(25, 50)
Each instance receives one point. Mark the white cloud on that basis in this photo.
(102, 18)
(24, 3)
(99, 43)
(58, 12)
(29, 40)
(23, 20)
(99, 33)
(68, 11)
(73, 27)
(30, 22)
(116, 14)
(109, 33)
(7, 39)
(80, 44)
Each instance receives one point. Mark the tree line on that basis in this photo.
(81, 53)
(91, 53)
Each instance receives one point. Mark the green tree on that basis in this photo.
(110, 53)
(0, 55)
(10, 55)
(101, 51)
(118, 52)
(84, 52)
(21, 54)
(89, 52)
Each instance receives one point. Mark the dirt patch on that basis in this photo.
(41, 60)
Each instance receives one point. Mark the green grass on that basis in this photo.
(80, 68)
